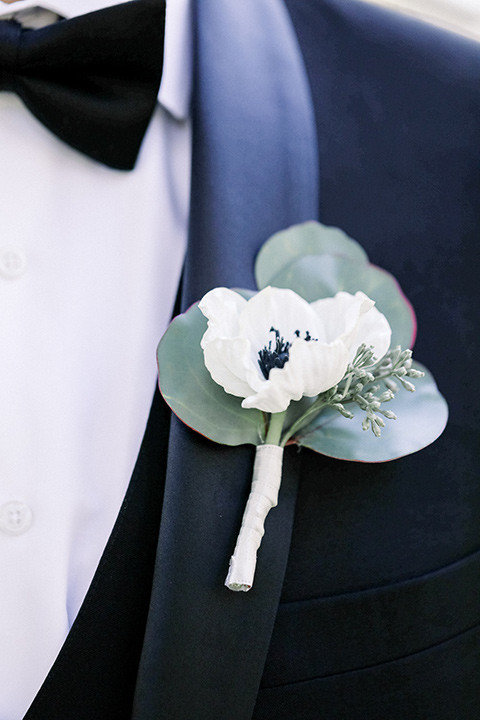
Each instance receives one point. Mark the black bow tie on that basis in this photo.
(92, 80)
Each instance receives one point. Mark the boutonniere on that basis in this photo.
(319, 357)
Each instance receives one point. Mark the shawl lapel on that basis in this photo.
(254, 172)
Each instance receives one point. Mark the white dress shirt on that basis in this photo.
(90, 260)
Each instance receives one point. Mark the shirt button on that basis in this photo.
(15, 517)
(12, 262)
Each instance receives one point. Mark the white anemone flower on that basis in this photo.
(276, 347)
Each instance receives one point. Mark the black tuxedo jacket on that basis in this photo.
(366, 604)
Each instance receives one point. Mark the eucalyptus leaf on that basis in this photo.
(421, 418)
(194, 397)
(310, 238)
(315, 277)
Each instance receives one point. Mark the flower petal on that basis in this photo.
(373, 329)
(227, 354)
(222, 308)
(228, 360)
(354, 320)
(323, 365)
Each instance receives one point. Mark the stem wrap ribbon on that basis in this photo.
(267, 476)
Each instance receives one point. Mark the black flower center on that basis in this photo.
(276, 357)
(307, 337)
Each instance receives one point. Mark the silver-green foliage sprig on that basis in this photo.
(371, 387)
(367, 385)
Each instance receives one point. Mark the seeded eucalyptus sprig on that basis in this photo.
(367, 386)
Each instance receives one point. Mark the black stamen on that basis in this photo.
(268, 358)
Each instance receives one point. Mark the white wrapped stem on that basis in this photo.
(267, 475)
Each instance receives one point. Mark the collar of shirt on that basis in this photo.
(176, 86)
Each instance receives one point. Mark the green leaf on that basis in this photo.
(315, 277)
(310, 238)
(421, 418)
(194, 397)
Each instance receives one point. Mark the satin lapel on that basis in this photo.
(254, 172)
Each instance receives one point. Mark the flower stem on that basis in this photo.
(275, 428)
(307, 416)
(267, 475)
